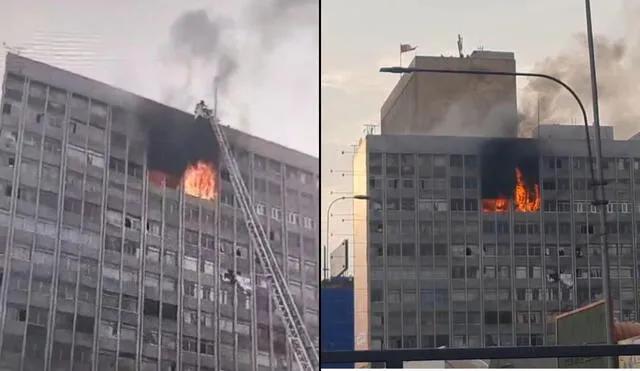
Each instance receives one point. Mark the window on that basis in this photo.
(154, 228)
(189, 344)
(132, 222)
(292, 218)
(190, 316)
(190, 263)
(224, 297)
(111, 272)
(95, 159)
(207, 347)
(117, 165)
(276, 213)
(206, 267)
(308, 223)
(151, 281)
(169, 284)
(206, 320)
(260, 209)
(108, 329)
(206, 293)
(153, 254)
(131, 248)
(169, 257)
(189, 288)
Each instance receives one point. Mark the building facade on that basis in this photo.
(440, 260)
(103, 269)
(454, 104)
(337, 317)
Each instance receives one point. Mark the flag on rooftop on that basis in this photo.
(404, 48)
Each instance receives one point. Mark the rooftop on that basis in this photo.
(131, 102)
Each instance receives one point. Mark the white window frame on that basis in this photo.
(276, 214)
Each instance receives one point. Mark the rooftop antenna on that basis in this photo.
(460, 46)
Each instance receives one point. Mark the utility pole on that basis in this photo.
(600, 200)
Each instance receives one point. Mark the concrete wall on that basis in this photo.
(429, 103)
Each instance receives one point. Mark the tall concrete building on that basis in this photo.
(472, 241)
(121, 247)
(454, 104)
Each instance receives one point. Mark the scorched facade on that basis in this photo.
(472, 242)
(107, 264)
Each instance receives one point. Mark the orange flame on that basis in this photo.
(200, 180)
(497, 205)
(161, 179)
(525, 200)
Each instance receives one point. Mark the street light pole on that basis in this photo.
(600, 202)
(326, 247)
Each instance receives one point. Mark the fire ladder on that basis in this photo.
(303, 347)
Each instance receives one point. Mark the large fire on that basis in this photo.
(498, 205)
(525, 199)
(200, 180)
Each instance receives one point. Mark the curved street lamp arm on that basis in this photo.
(523, 74)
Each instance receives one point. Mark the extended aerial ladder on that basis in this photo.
(301, 343)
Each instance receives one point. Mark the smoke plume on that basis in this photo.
(208, 48)
(618, 84)
(196, 41)
(499, 159)
(275, 19)
(199, 39)
(461, 118)
(175, 141)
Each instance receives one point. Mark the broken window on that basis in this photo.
(132, 222)
(170, 311)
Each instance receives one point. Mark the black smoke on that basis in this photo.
(203, 38)
(176, 140)
(617, 59)
(500, 157)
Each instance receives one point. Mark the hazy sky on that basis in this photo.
(125, 43)
(359, 36)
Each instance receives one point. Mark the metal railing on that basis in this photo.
(396, 358)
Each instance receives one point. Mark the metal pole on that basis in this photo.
(326, 242)
(326, 251)
(601, 202)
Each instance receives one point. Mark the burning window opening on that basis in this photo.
(525, 198)
(162, 179)
(199, 180)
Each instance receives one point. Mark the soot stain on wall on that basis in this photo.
(175, 141)
(500, 157)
